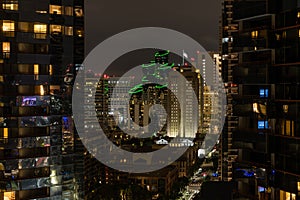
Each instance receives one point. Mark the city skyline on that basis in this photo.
(216, 124)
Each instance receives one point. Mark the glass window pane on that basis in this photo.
(13, 5)
(40, 28)
(69, 11)
(68, 30)
(6, 47)
(8, 25)
(55, 9)
(55, 28)
(25, 27)
(78, 12)
(40, 31)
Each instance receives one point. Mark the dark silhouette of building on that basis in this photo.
(261, 64)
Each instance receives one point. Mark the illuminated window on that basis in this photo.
(8, 25)
(299, 33)
(41, 11)
(298, 14)
(10, 6)
(8, 28)
(9, 195)
(287, 196)
(262, 124)
(254, 34)
(6, 49)
(40, 28)
(287, 127)
(69, 10)
(40, 31)
(263, 93)
(4, 134)
(42, 90)
(50, 70)
(78, 12)
(284, 34)
(36, 69)
(79, 32)
(298, 186)
(54, 9)
(68, 30)
(55, 29)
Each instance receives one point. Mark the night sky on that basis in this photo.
(197, 18)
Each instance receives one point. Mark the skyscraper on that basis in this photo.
(41, 44)
(265, 80)
(184, 119)
(229, 60)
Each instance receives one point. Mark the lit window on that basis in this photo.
(50, 70)
(55, 28)
(263, 93)
(54, 9)
(8, 25)
(254, 34)
(36, 69)
(255, 108)
(42, 91)
(224, 40)
(287, 196)
(8, 28)
(10, 6)
(298, 14)
(9, 195)
(79, 32)
(68, 30)
(69, 10)
(78, 12)
(41, 11)
(40, 28)
(284, 34)
(262, 124)
(40, 31)
(6, 49)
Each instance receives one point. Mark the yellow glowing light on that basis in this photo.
(9, 195)
(5, 133)
(40, 28)
(8, 26)
(36, 69)
(42, 91)
(6, 47)
(50, 70)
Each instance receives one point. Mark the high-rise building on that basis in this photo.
(184, 119)
(265, 80)
(229, 59)
(41, 44)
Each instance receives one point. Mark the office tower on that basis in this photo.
(109, 100)
(41, 41)
(210, 113)
(267, 100)
(184, 119)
